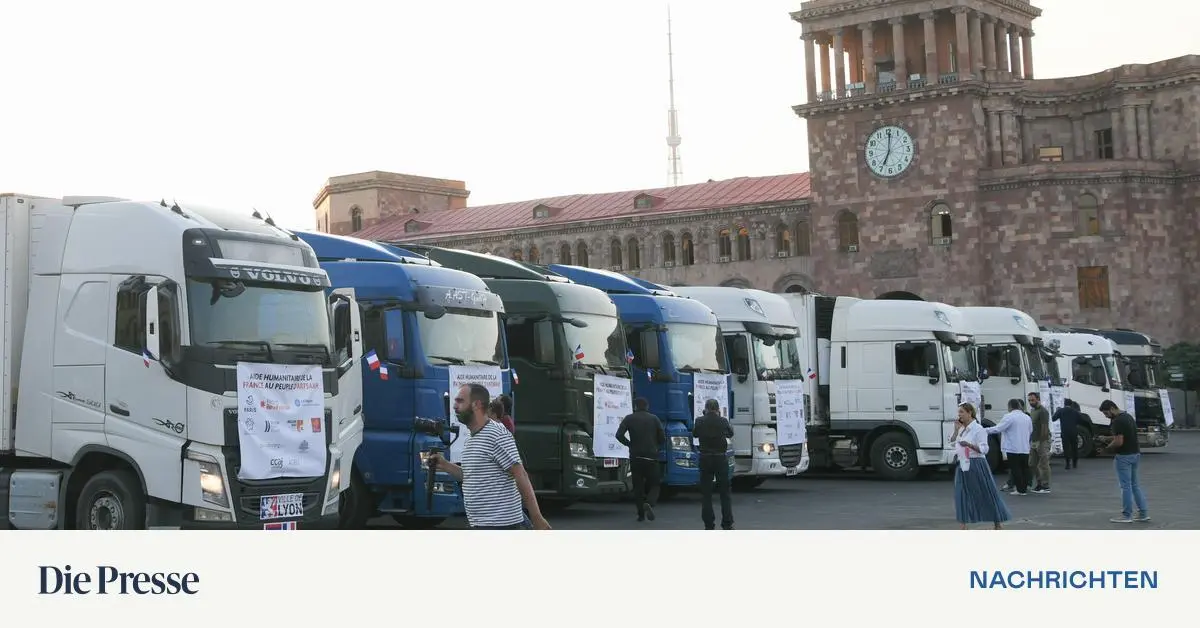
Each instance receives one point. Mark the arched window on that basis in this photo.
(743, 244)
(689, 255)
(517, 256)
(355, 219)
(581, 254)
(564, 254)
(803, 239)
(724, 245)
(940, 225)
(847, 231)
(1089, 215)
(668, 248)
(615, 253)
(633, 255)
(535, 256)
(783, 240)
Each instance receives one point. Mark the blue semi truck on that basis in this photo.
(672, 340)
(424, 328)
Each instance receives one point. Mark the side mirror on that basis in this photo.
(983, 374)
(650, 358)
(932, 372)
(434, 312)
(741, 367)
(152, 337)
(543, 342)
(446, 405)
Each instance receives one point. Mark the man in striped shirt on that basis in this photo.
(494, 482)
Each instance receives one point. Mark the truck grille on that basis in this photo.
(790, 455)
(247, 494)
(771, 406)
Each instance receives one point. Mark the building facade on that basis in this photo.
(940, 169)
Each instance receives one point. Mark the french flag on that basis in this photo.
(282, 525)
(372, 360)
(811, 374)
(650, 374)
(579, 353)
(516, 379)
(629, 356)
(146, 357)
(383, 372)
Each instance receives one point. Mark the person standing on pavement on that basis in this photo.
(1015, 429)
(976, 498)
(1068, 418)
(714, 431)
(1039, 448)
(494, 482)
(643, 434)
(1128, 458)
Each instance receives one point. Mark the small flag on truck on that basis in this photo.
(629, 356)
(811, 374)
(579, 353)
(516, 379)
(383, 372)
(146, 357)
(372, 360)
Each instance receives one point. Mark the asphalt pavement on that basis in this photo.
(1080, 499)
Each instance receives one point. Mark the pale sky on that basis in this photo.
(256, 103)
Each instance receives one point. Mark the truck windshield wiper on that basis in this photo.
(447, 359)
(266, 346)
(308, 345)
(487, 362)
(688, 368)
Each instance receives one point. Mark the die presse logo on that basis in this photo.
(107, 580)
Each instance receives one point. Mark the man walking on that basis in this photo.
(713, 431)
(493, 480)
(1068, 418)
(1128, 457)
(1015, 429)
(1039, 449)
(643, 434)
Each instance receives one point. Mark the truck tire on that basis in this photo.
(893, 457)
(410, 522)
(111, 500)
(1087, 442)
(994, 457)
(355, 508)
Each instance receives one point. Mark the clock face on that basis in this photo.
(889, 151)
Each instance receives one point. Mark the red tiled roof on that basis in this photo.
(582, 207)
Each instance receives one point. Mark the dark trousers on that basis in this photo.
(1018, 468)
(1070, 441)
(714, 469)
(646, 481)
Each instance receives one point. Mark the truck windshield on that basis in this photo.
(1052, 372)
(1143, 373)
(601, 343)
(461, 336)
(696, 346)
(779, 359)
(1114, 374)
(221, 311)
(959, 363)
(1035, 368)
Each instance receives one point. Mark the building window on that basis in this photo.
(783, 241)
(541, 211)
(581, 254)
(633, 255)
(1089, 216)
(1050, 153)
(940, 224)
(564, 254)
(643, 202)
(535, 256)
(614, 250)
(1104, 144)
(689, 254)
(743, 244)
(1093, 287)
(724, 246)
(411, 226)
(847, 232)
(355, 219)
(803, 246)
(517, 255)
(668, 247)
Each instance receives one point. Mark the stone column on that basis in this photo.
(839, 63)
(1118, 142)
(1129, 112)
(1001, 46)
(1009, 133)
(931, 50)
(1077, 138)
(1027, 148)
(976, 45)
(1027, 51)
(989, 42)
(826, 75)
(1143, 125)
(898, 52)
(996, 148)
(868, 51)
(1014, 51)
(962, 46)
(810, 65)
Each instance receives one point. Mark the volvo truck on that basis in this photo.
(1090, 363)
(425, 328)
(560, 334)
(1141, 360)
(168, 366)
(759, 344)
(889, 378)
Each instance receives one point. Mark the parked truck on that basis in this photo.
(1008, 344)
(1091, 364)
(559, 334)
(889, 378)
(424, 327)
(759, 344)
(168, 366)
(1141, 360)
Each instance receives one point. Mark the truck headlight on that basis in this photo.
(767, 448)
(579, 450)
(335, 480)
(212, 482)
(681, 442)
(424, 455)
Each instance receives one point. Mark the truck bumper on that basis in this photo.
(769, 465)
(179, 517)
(681, 469)
(1154, 436)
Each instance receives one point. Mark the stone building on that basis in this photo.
(941, 169)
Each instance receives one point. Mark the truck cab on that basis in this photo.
(1008, 345)
(128, 393)
(560, 334)
(1141, 360)
(424, 327)
(1091, 364)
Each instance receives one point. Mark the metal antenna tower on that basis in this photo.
(673, 138)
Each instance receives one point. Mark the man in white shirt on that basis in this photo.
(1015, 430)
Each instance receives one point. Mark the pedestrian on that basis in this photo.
(1015, 429)
(1127, 458)
(642, 432)
(713, 431)
(1068, 418)
(499, 413)
(976, 497)
(494, 482)
(1039, 448)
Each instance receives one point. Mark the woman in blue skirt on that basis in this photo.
(977, 499)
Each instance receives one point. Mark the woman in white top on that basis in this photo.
(976, 497)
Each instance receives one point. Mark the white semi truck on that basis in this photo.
(758, 342)
(1090, 363)
(1140, 357)
(130, 328)
(889, 378)
(1009, 347)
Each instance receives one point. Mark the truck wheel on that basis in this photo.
(418, 523)
(111, 500)
(994, 457)
(355, 507)
(1087, 442)
(894, 457)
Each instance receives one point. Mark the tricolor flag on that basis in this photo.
(629, 356)
(372, 360)
(282, 525)
(579, 353)
(811, 374)
(650, 374)
(146, 357)
(383, 371)
(516, 379)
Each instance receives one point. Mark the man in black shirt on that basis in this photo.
(1068, 418)
(713, 431)
(643, 434)
(1124, 444)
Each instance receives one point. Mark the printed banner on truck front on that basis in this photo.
(1168, 412)
(790, 424)
(612, 401)
(972, 393)
(707, 386)
(1052, 404)
(1130, 403)
(281, 421)
(487, 376)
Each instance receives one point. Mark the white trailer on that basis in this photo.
(126, 327)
